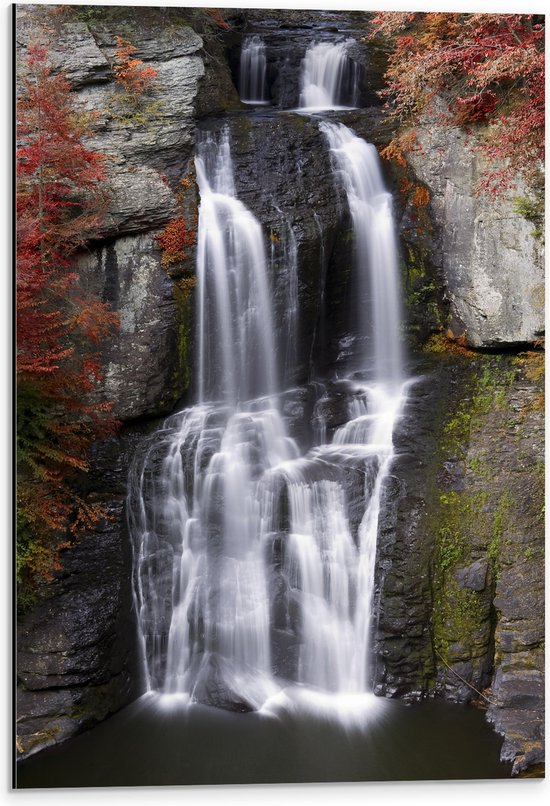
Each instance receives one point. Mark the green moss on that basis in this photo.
(468, 523)
(533, 211)
(421, 294)
(133, 111)
(183, 294)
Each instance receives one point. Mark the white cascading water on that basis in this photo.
(329, 78)
(222, 484)
(198, 518)
(370, 205)
(236, 343)
(253, 86)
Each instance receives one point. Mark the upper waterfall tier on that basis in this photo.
(252, 74)
(329, 78)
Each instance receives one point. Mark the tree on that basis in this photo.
(131, 73)
(488, 68)
(60, 205)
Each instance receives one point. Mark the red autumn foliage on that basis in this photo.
(173, 241)
(130, 72)
(178, 234)
(216, 15)
(60, 205)
(489, 68)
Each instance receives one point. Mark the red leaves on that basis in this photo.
(173, 240)
(216, 15)
(490, 67)
(131, 72)
(60, 205)
(178, 233)
(476, 108)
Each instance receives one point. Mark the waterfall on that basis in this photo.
(253, 87)
(377, 276)
(329, 77)
(241, 543)
(236, 341)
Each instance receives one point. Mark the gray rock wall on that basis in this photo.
(492, 266)
(77, 648)
(77, 658)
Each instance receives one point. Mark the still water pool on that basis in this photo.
(154, 742)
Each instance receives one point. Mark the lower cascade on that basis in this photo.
(253, 578)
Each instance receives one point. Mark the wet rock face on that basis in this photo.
(307, 215)
(77, 653)
(485, 251)
(518, 681)
(460, 596)
(404, 661)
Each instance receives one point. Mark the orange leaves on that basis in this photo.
(216, 15)
(397, 148)
(421, 196)
(489, 68)
(394, 152)
(178, 234)
(131, 72)
(389, 23)
(173, 241)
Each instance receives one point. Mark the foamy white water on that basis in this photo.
(370, 204)
(235, 323)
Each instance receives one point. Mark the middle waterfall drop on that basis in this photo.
(254, 574)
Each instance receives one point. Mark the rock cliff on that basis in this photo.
(491, 258)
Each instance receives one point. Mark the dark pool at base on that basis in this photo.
(148, 745)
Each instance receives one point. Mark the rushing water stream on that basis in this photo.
(253, 586)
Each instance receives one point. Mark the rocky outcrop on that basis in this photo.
(460, 593)
(77, 647)
(148, 144)
(517, 707)
(153, 321)
(77, 650)
(491, 262)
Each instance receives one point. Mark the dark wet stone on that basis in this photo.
(474, 576)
